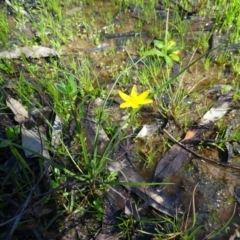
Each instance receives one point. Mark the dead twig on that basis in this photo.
(199, 155)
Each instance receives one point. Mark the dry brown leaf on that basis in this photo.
(189, 135)
(21, 114)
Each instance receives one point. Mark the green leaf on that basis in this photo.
(20, 158)
(155, 52)
(73, 86)
(226, 88)
(61, 88)
(72, 82)
(10, 133)
(174, 57)
(159, 44)
(168, 60)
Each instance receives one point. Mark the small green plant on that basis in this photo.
(236, 135)
(98, 207)
(151, 156)
(68, 89)
(127, 226)
(6, 66)
(12, 135)
(166, 50)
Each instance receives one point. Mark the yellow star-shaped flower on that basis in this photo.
(134, 100)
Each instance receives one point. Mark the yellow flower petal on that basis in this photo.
(126, 105)
(143, 95)
(134, 92)
(124, 96)
(135, 105)
(134, 100)
(147, 101)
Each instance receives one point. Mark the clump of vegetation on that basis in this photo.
(168, 51)
(66, 98)
(4, 28)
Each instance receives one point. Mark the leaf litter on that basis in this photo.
(33, 137)
(29, 52)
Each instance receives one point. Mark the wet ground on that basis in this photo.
(108, 38)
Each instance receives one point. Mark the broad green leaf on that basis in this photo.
(155, 52)
(72, 82)
(168, 60)
(174, 57)
(61, 88)
(158, 44)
